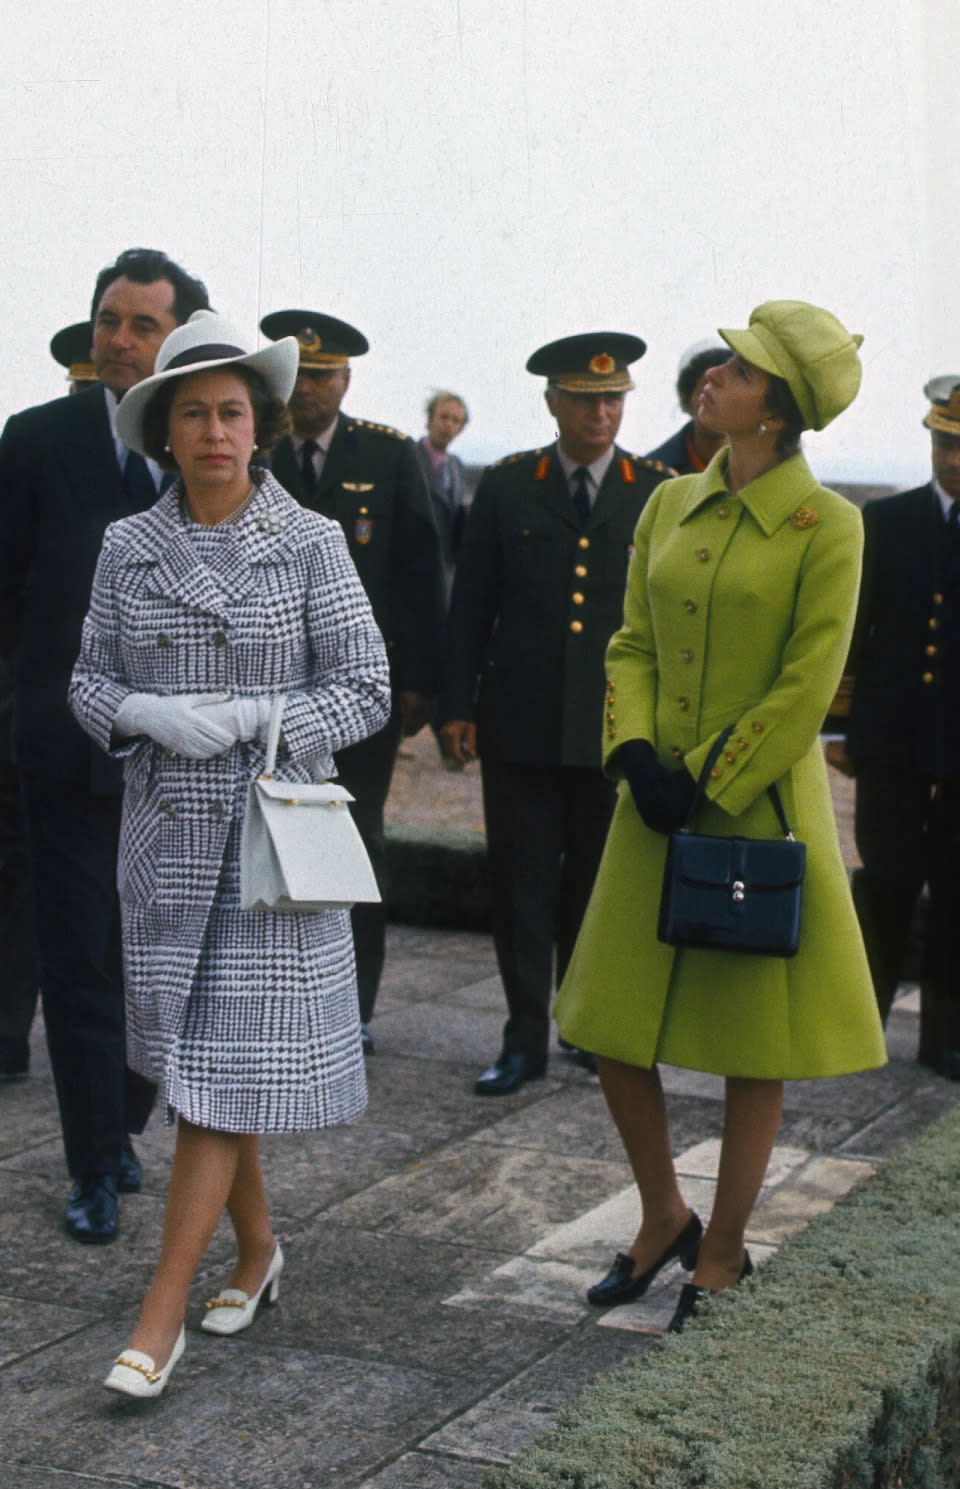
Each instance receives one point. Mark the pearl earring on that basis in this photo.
(166, 449)
(763, 429)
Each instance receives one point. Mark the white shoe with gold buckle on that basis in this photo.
(235, 1310)
(135, 1373)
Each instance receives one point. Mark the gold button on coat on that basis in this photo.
(723, 511)
(690, 606)
(577, 597)
(703, 554)
(757, 727)
(583, 542)
(928, 677)
(576, 625)
(683, 704)
(686, 655)
(580, 571)
(931, 651)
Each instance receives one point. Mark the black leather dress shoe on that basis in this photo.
(621, 1286)
(91, 1214)
(130, 1174)
(691, 1296)
(507, 1075)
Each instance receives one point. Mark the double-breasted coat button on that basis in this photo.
(219, 639)
(703, 554)
(686, 655)
(576, 626)
(167, 808)
(219, 810)
(683, 704)
(164, 640)
(577, 597)
(690, 606)
(928, 677)
(583, 542)
(931, 651)
(580, 571)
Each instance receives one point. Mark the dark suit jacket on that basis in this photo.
(535, 601)
(449, 508)
(905, 656)
(371, 484)
(60, 485)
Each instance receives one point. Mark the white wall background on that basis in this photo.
(466, 179)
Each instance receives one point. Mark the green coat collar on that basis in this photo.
(770, 499)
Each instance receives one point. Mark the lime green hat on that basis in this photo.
(808, 347)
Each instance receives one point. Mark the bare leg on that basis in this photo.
(750, 1125)
(202, 1177)
(247, 1207)
(635, 1099)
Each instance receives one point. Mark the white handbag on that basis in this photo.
(300, 849)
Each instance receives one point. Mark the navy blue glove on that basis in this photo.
(662, 797)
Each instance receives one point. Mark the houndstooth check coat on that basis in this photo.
(247, 1020)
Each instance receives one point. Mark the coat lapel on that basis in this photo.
(555, 493)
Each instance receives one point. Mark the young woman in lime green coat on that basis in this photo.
(740, 601)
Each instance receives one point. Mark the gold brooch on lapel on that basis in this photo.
(804, 517)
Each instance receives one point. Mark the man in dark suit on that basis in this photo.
(445, 476)
(64, 475)
(366, 477)
(903, 733)
(537, 595)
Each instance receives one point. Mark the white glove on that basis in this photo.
(179, 723)
(244, 718)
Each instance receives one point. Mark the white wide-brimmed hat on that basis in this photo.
(206, 341)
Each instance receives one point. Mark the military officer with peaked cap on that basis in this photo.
(72, 347)
(537, 595)
(366, 476)
(903, 734)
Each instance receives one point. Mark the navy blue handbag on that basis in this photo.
(732, 894)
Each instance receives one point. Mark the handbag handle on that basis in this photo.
(273, 734)
(703, 778)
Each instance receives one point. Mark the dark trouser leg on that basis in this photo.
(890, 826)
(589, 802)
(941, 979)
(19, 976)
(73, 847)
(523, 808)
(366, 770)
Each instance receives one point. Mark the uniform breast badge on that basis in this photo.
(363, 527)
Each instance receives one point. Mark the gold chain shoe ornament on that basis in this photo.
(136, 1374)
(235, 1310)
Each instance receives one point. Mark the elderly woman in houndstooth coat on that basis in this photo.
(222, 595)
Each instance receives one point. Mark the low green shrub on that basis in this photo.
(837, 1366)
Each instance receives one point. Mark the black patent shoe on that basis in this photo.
(691, 1296)
(91, 1213)
(621, 1286)
(507, 1076)
(129, 1174)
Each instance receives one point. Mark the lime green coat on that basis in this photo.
(738, 610)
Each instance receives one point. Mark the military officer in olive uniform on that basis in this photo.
(903, 733)
(366, 476)
(537, 595)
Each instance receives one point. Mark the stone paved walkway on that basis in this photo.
(431, 1318)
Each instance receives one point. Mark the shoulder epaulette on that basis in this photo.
(519, 455)
(655, 465)
(379, 428)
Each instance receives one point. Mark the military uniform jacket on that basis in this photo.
(905, 656)
(60, 485)
(371, 484)
(739, 611)
(535, 600)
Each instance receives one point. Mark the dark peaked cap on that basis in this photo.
(324, 341)
(594, 362)
(72, 347)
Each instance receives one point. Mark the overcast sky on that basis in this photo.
(467, 179)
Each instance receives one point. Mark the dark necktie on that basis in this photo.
(308, 472)
(581, 494)
(953, 544)
(138, 482)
